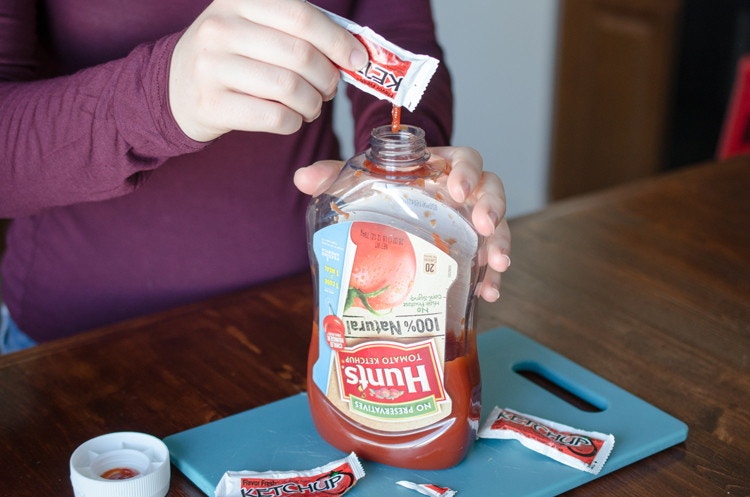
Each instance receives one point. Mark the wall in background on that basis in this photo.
(501, 54)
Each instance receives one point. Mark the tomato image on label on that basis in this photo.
(334, 330)
(383, 269)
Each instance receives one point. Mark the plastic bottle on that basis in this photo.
(393, 373)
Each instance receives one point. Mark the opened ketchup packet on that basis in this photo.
(332, 479)
(580, 449)
(428, 489)
(392, 73)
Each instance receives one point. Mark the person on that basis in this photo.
(148, 164)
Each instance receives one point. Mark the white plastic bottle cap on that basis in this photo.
(124, 464)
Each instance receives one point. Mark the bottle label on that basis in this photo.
(382, 294)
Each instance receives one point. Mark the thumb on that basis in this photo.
(317, 177)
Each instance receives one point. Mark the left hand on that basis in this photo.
(466, 182)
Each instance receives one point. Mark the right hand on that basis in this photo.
(467, 181)
(257, 65)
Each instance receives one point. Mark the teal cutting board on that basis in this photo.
(281, 435)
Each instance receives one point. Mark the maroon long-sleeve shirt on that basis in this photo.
(116, 212)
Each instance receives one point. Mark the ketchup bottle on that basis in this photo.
(393, 373)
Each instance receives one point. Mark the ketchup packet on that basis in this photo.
(580, 449)
(428, 489)
(392, 73)
(332, 479)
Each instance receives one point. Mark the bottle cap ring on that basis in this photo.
(123, 464)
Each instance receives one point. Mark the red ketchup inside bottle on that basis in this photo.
(436, 447)
(393, 373)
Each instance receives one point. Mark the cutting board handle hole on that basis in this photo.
(558, 386)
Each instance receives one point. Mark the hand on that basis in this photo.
(257, 65)
(467, 182)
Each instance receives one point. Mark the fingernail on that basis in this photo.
(492, 216)
(495, 294)
(507, 259)
(457, 192)
(330, 97)
(466, 189)
(358, 59)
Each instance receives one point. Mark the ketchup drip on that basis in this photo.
(395, 118)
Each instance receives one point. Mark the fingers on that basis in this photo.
(303, 21)
(488, 217)
(489, 204)
(489, 287)
(286, 56)
(252, 78)
(467, 182)
(257, 65)
(316, 178)
(498, 248)
(497, 254)
(466, 170)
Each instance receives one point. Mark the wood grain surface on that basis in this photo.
(647, 285)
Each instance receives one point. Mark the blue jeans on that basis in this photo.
(11, 338)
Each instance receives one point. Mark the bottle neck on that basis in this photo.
(401, 151)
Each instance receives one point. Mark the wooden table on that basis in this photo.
(647, 285)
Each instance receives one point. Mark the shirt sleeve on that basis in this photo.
(87, 136)
(410, 26)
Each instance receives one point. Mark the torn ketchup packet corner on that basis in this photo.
(392, 73)
(580, 449)
(428, 489)
(332, 479)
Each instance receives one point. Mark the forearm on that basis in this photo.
(88, 136)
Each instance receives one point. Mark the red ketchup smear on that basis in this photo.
(119, 474)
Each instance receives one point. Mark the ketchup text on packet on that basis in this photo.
(391, 73)
(581, 449)
(335, 483)
(579, 444)
(332, 479)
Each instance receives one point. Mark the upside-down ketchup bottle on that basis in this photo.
(393, 373)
